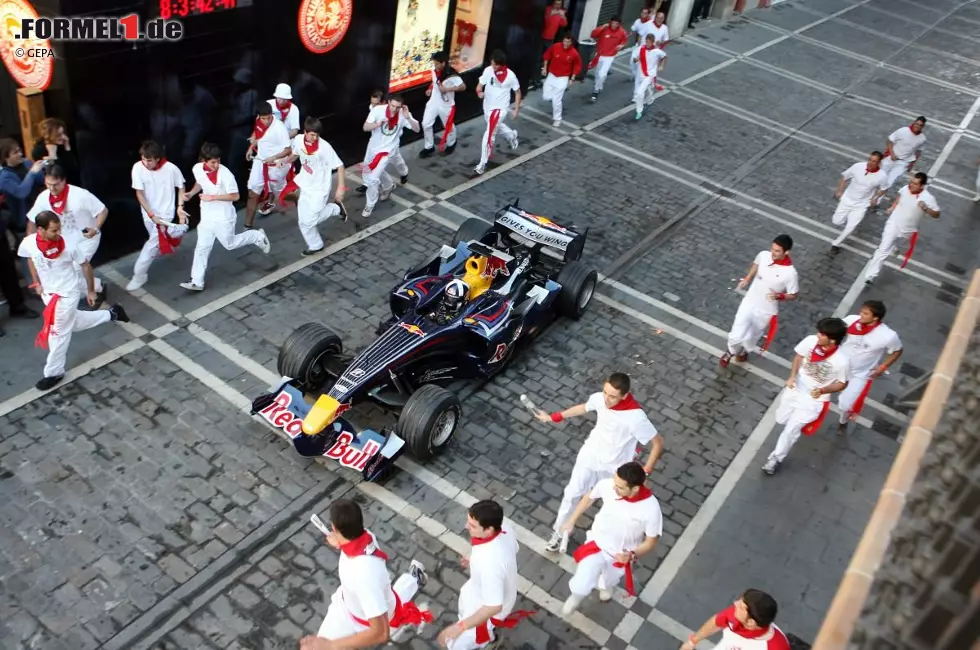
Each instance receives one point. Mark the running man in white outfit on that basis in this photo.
(819, 370)
(318, 162)
(562, 63)
(54, 264)
(610, 39)
(642, 27)
(487, 599)
(268, 143)
(620, 426)
(219, 191)
(158, 183)
(771, 279)
(82, 216)
(650, 61)
(868, 340)
(865, 183)
(903, 150)
(494, 88)
(627, 527)
(905, 213)
(661, 34)
(366, 610)
(745, 625)
(385, 123)
(446, 82)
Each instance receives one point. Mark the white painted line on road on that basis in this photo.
(677, 630)
(232, 354)
(142, 295)
(203, 375)
(948, 149)
(847, 302)
(694, 531)
(285, 271)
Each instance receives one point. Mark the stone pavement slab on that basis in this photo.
(840, 34)
(685, 60)
(787, 15)
(813, 62)
(960, 25)
(894, 23)
(916, 96)
(736, 35)
(825, 7)
(948, 69)
(952, 44)
(961, 165)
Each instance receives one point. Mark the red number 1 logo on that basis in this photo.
(131, 23)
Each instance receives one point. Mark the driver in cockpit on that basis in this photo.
(454, 298)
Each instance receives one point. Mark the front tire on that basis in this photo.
(429, 420)
(303, 353)
(578, 283)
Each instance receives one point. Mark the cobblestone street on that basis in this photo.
(143, 507)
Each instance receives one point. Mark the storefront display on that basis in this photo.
(470, 27)
(420, 30)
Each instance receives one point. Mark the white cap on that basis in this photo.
(283, 91)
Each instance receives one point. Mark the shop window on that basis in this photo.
(469, 43)
(420, 30)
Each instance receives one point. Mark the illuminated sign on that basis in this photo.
(420, 29)
(22, 57)
(324, 23)
(183, 8)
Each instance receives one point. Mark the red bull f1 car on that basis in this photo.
(456, 319)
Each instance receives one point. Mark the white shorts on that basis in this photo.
(256, 180)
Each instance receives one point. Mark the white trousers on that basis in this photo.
(378, 180)
(434, 111)
(256, 179)
(796, 409)
(890, 237)
(554, 90)
(222, 230)
(643, 91)
(894, 169)
(850, 216)
(749, 325)
(338, 623)
(847, 397)
(314, 208)
(495, 125)
(469, 602)
(67, 321)
(88, 246)
(151, 249)
(584, 477)
(601, 72)
(594, 571)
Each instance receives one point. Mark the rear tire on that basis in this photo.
(475, 229)
(578, 283)
(302, 354)
(429, 420)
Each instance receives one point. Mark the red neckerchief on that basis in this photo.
(283, 106)
(867, 170)
(311, 148)
(910, 191)
(50, 249)
(857, 328)
(786, 261)
(260, 128)
(728, 620)
(645, 20)
(626, 404)
(820, 353)
(391, 119)
(212, 176)
(163, 161)
(501, 74)
(59, 201)
(643, 59)
(476, 541)
(357, 546)
(643, 493)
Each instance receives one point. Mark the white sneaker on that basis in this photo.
(571, 604)
(556, 123)
(516, 142)
(136, 283)
(417, 571)
(386, 194)
(479, 170)
(605, 595)
(977, 198)
(366, 212)
(190, 286)
(771, 466)
(554, 542)
(264, 245)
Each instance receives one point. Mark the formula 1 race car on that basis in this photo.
(455, 319)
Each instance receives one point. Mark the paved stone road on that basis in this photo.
(143, 508)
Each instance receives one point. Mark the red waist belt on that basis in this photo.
(405, 614)
(591, 548)
(508, 623)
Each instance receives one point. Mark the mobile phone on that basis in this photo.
(316, 521)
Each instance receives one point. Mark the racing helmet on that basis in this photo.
(455, 295)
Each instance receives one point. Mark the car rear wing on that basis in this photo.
(543, 231)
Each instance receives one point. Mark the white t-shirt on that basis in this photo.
(862, 185)
(653, 58)
(218, 210)
(58, 276)
(770, 277)
(384, 138)
(907, 213)
(292, 117)
(80, 212)
(365, 585)
(622, 525)
(275, 140)
(316, 169)
(159, 186)
(440, 98)
(660, 33)
(641, 29)
(493, 572)
(496, 95)
(613, 440)
(822, 373)
(905, 144)
(864, 351)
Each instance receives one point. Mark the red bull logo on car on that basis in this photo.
(494, 266)
(544, 221)
(414, 329)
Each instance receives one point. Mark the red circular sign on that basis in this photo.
(323, 23)
(29, 71)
